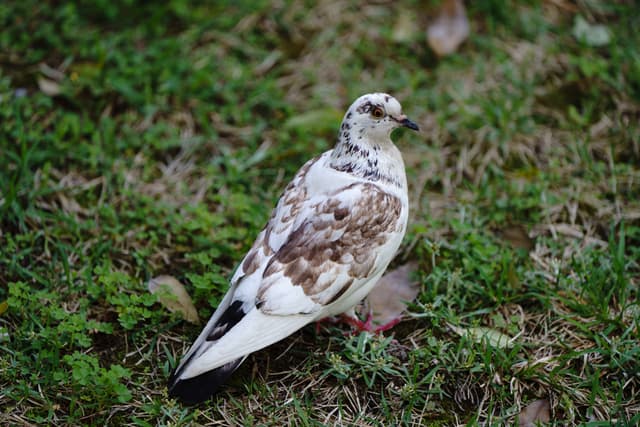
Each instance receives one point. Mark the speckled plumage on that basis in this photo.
(332, 234)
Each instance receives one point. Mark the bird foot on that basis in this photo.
(368, 326)
(356, 324)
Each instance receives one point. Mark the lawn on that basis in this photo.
(141, 138)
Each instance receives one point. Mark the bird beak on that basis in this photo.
(404, 121)
(409, 124)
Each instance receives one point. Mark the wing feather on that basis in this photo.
(337, 242)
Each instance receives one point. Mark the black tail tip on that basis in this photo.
(192, 391)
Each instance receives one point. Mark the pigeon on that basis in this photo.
(330, 238)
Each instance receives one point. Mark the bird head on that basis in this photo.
(374, 116)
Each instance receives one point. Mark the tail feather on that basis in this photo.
(229, 337)
(198, 389)
(255, 332)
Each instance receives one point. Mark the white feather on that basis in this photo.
(256, 332)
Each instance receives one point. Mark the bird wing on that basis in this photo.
(335, 245)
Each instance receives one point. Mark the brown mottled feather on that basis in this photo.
(288, 207)
(310, 251)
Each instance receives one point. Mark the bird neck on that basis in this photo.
(374, 160)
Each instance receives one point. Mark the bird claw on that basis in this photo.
(358, 325)
(387, 325)
(368, 326)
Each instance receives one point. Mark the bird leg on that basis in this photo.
(357, 324)
(388, 325)
(351, 319)
(368, 325)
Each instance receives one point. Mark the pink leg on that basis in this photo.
(368, 325)
(387, 325)
(357, 324)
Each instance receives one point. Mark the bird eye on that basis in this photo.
(377, 113)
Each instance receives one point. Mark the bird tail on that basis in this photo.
(205, 368)
(225, 342)
(200, 388)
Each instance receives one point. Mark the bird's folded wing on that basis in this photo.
(338, 243)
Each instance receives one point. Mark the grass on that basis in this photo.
(139, 139)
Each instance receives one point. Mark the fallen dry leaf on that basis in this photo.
(516, 235)
(449, 29)
(390, 296)
(535, 412)
(591, 34)
(172, 294)
(49, 87)
(479, 334)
